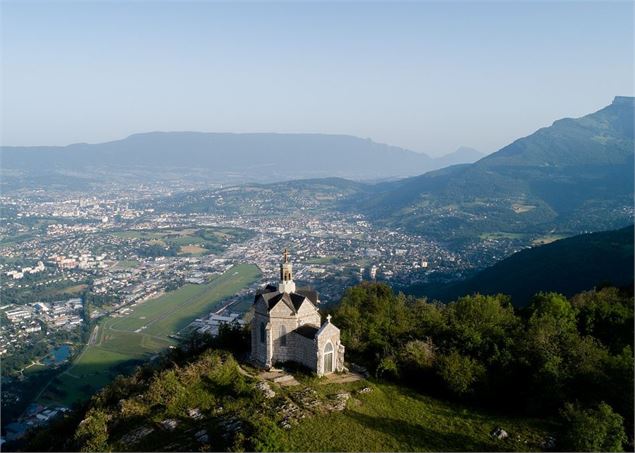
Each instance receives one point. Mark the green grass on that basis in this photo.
(393, 418)
(127, 264)
(96, 368)
(137, 234)
(389, 418)
(33, 369)
(187, 240)
(73, 289)
(547, 239)
(173, 311)
(17, 239)
(151, 311)
(118, 346)
(93, 362)
(212, 240)
(322, 260)
(502, 235)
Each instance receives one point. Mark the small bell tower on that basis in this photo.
(286, 284)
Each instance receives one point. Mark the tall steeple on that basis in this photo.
(286, 284)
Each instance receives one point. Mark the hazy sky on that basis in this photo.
(421, 75)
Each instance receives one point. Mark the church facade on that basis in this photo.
(287, 326)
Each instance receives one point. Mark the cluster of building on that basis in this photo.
(19, 274)
(84, 260)
(17, 333)
(91, 208)
(60, 314)
(211, 324)
(35, 415)
(332, 251)
(26, 322)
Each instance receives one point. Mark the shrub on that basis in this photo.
(460, 373)
(92, 432)
(598, 429)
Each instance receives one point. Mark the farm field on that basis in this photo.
(73, 290)
(119, 343)
(127, 264)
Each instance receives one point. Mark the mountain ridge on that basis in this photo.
(575, 175)
(221, 156)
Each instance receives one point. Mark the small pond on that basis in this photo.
(58, 355)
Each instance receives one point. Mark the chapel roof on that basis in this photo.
(309, 293)
(307, 331)
(294, 300)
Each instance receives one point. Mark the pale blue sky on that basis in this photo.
(422, 75)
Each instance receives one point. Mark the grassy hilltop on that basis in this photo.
(444, 377)
(211, 403)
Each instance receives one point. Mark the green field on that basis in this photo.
(172, 312)
(547, 239)
(122, 342)
(127, 264)
(208, 240)
(501, 235)
(323, 260)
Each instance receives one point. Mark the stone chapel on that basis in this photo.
(287, 326)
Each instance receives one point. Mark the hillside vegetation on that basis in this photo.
(444, 377)
(566, 266)
(558, 353)
(209, 403)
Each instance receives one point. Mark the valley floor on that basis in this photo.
(118, 343)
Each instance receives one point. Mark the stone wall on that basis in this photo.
(329, 333)
(305, 351)
(283, 353)
(259, 350)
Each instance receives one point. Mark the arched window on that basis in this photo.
(283, 336)
(262, 332)
(328, 358)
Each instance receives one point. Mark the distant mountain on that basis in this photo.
(220, 157)
(463, 155)
(567, 266)
(573, 176)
